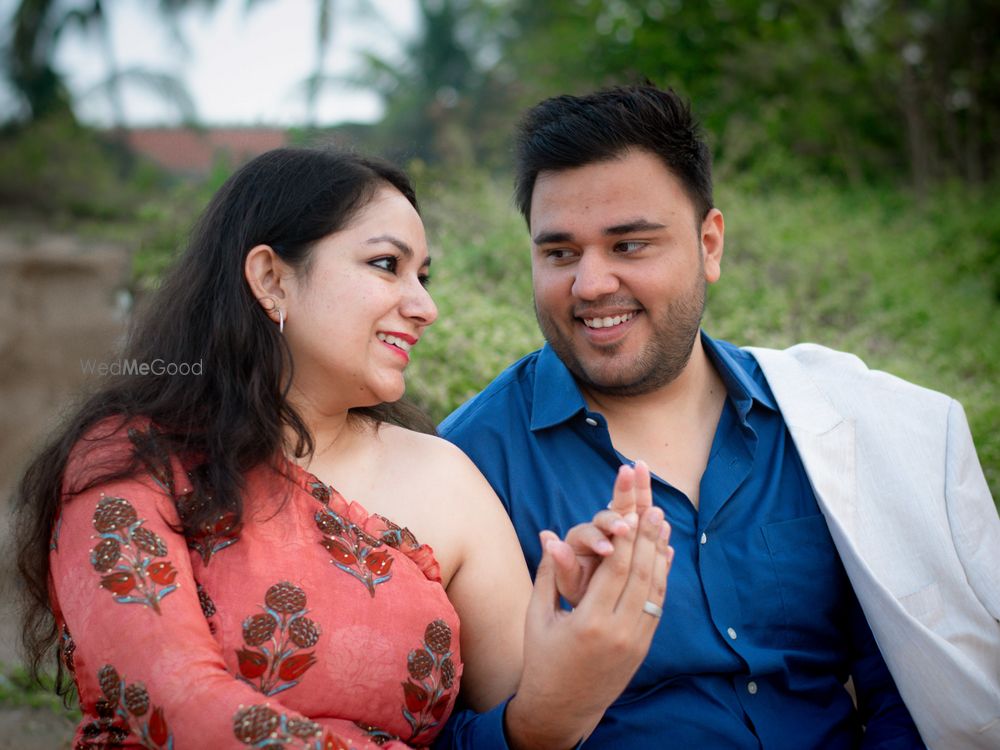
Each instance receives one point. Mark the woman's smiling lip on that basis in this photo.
(398, 342)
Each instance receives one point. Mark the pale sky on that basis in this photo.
(241, 67)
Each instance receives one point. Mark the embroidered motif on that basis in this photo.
(207, 607)
(156, 460)
(125, 556)
(127, 707)
(107, 731)
(354, 550)
(376, 735)
(396, 536)
(56, 528)
(268, 661)
(432, 674)
(67, 647)
(262, 726)
(214, 535)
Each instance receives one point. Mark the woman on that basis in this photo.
(213, 576)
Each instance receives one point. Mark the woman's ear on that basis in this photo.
(267, 274)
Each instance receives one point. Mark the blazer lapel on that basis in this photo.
(823, 437)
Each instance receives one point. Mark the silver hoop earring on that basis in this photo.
(281, 320)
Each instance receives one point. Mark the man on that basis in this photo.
(818, 508)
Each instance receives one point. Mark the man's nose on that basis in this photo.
(595, 277)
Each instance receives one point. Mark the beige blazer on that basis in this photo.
(897, 478)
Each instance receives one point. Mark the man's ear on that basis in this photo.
(713, 232)
(268, 276)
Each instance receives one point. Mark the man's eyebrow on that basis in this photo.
(629, 227)
(547, 238)
(639, 225)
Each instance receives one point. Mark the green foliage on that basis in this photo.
(908, 286)
(60, 171)
(481, 281)
(17, 689)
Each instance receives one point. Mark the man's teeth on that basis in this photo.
(389, 339)
(607, 322)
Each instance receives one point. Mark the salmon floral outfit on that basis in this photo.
(313, 624)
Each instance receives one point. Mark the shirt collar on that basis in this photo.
(556, 395)
(557, 398)
(738, 376)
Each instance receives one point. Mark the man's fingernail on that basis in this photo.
(604, 547)
(654, 516)
(632, 519)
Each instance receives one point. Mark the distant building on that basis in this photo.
(193, 151)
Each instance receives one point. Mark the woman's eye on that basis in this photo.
(388, 263)
(425, 280)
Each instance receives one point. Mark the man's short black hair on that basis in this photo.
(573, 131)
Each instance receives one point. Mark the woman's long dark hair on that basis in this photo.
(235, 414)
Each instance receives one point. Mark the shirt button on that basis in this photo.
(752, 687)
(591, 421)
(704, 538)
(732, 633)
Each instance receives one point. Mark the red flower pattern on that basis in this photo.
(352, 549)
(124, 709)
(268, 661)
(125, 555)
(426, 694)
(262, 726)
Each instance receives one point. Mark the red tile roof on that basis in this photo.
(191, 151)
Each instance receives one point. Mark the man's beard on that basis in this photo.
(661, 360)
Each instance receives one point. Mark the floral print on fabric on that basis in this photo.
(376, 735)
(66, 650)
(269, 661)
(153, 457)
(353, 550)
(432, 673)
(125, 556)
(262, 726)
(125, 708)
(397, 536)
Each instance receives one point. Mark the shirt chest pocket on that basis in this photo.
(810, 579)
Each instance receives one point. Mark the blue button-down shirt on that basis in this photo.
(761, 628)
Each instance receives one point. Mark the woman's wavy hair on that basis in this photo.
(235, 415)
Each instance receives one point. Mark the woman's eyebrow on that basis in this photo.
(402, 246)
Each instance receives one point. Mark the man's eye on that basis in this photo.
(388, 263)
(558, 253)
(630, 246)
(425, 280)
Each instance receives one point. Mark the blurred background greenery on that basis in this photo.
(856, 162)
(856, 146)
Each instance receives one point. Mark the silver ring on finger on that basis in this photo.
(652, 608)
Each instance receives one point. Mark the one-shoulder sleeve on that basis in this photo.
(148, 671)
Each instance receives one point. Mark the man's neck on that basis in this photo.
(698, 386)
(671, 428)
